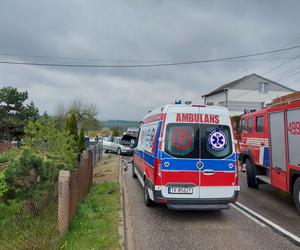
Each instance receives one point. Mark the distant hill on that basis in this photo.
(119, 123)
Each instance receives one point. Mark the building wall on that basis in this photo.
(253, 84)
(254, 95)
(216, 99)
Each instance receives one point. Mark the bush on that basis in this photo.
(3, 185)
(44, 153)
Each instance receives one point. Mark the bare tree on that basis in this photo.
(86, 113)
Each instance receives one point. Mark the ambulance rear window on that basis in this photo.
(202, 141)
(215, 141)
(182, 140)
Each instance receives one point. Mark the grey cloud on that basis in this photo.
(141, 30)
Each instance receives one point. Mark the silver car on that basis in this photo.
(117, 146)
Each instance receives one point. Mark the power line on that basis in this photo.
(74, 58)
(149, 65)
(288, 76)
(281, 64)
(286, 72)
(121, 60)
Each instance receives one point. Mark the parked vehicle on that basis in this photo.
(120, 145)
(269, 146)
(186, 158)
(133, 131)
(107, 144)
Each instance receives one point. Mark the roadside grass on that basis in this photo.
(95, 225)
(30, 231)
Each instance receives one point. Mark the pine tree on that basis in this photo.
(81, 142)
(71, 126)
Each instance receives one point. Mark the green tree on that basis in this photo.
(71, 126)
(117, 131)
(45, 151)
(3, 185)
(81, 142)
(14, 114)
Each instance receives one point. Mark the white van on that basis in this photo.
(186, 157)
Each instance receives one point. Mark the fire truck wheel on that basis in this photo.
(251, 179)
(133, 174)
(296, 194)
(148, 202)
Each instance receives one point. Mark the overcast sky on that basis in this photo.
(119, 32)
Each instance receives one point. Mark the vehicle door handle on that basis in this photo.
(209, 172)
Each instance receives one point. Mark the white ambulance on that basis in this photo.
(186, 157)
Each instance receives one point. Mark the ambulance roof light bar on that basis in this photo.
(177, 101)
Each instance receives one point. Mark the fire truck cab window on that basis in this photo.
(260, 124)
(242, 125)
(249, 125)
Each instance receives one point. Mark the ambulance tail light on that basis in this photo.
(157, 171)
(236, 179)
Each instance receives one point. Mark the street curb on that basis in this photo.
(128, 242)
(121, 212)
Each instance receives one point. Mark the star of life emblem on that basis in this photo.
(217, 140)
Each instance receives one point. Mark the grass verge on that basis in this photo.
(96, 222)
(28, 231)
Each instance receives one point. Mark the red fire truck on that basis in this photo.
(269, 147)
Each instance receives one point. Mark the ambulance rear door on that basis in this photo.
(217, 155)
(180, 155)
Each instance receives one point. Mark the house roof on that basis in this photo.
(239, 81)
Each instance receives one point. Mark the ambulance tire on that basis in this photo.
(296, 194)
(251, 179)
(133, 174)
(147, 200)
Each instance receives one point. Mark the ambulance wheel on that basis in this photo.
(133, 174)
(296, 194)
(147, 200)
(251, 179)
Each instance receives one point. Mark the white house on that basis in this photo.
(249, 92)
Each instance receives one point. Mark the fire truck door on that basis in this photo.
(277, 138)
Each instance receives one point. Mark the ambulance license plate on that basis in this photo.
(180, 190)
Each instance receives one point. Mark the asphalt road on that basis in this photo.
(271, 203)
(160, 228)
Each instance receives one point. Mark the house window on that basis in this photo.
(210, 103)
(259, 124)
(249, 125)
(222, 104)
(263, 87)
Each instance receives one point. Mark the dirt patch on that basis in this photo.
(107, 169)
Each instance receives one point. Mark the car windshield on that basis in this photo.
(125, 143)
(205, 141)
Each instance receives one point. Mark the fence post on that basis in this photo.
(63, 201)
